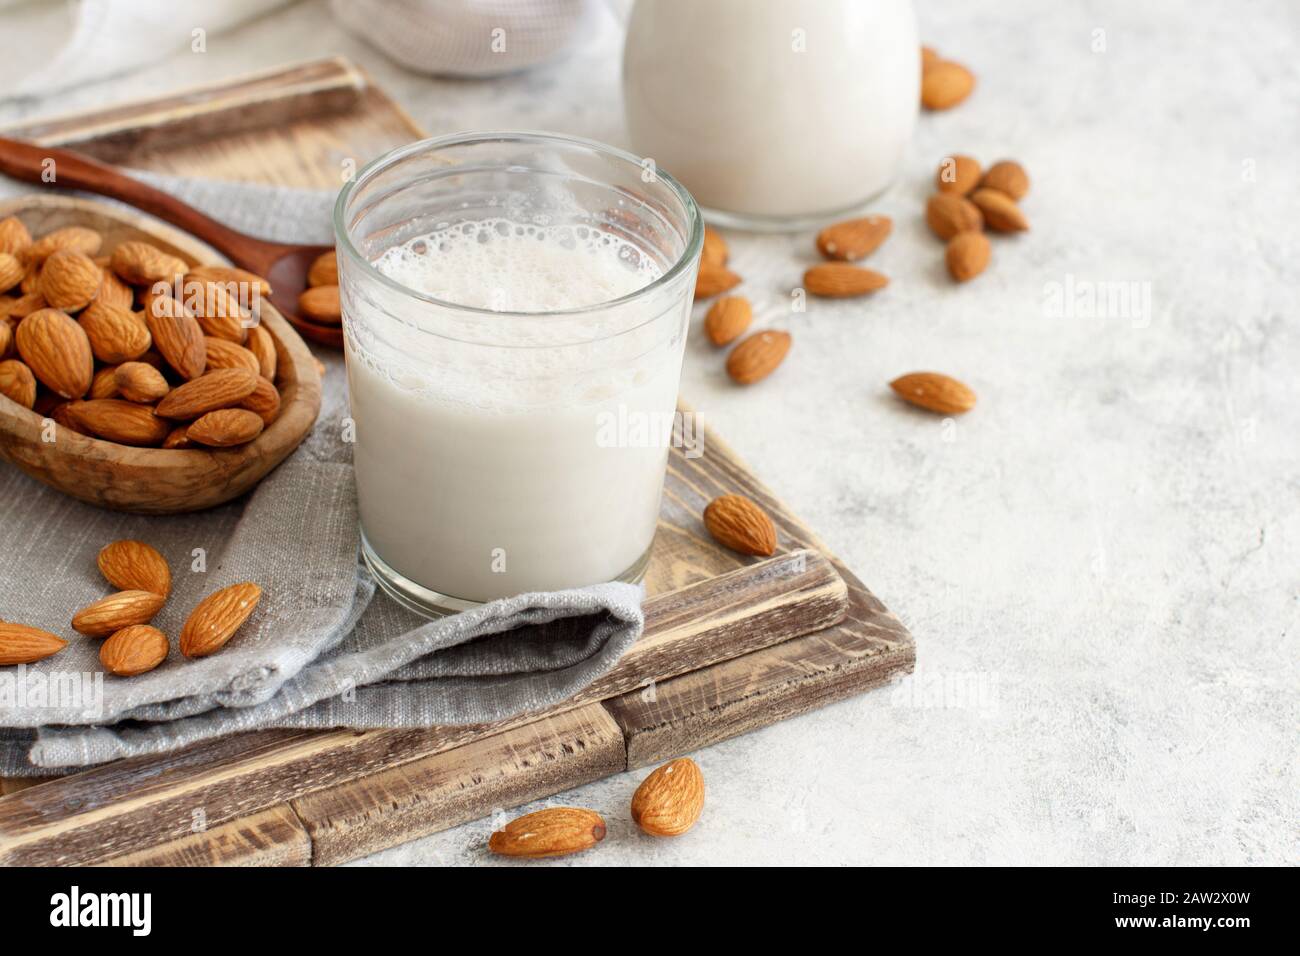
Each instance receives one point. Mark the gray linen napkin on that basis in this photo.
(321, 650)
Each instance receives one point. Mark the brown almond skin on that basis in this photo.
(738, 523)
(70, 238)
(957, 174)
(225, 427)
(17, 383)
(133, 650)
(262, 346)
(223, 353)
(935, 392)
(177, 336)
(264, 401)
(117, 611)
(228, 274)
(219, 388)
(141, 263)
(670, 800)
(57, 351)
(12, 271)
(217, 309)
(104, 384)
(70, 280)
(948, 214)
(178, 437)
(116, 334)
(135, 566)
(714, 251)
(758, 356)
(20, 644)
(1009, 177)
(126, 423)
(839, 280)
(854, 238)
(14, 237)
(944, 84)
(1001, 214)
(727, 319)
(967, 255)
(140, 382)
(324, 271)
(321, 305)
(216, 618)
(714, 280)
(555, 831)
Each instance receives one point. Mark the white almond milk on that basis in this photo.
(773, 108)
(481, 471)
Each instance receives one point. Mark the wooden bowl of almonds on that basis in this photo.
(138, 371)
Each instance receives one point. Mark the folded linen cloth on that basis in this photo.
(322, 649)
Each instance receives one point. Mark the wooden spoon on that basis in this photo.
(284, 266)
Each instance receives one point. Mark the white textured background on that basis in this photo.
(1101, 563)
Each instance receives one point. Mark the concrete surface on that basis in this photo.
(1101, 563)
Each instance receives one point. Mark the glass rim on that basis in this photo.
(694, 218)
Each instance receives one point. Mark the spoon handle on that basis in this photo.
(65, 169)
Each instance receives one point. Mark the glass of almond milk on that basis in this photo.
(506, 297)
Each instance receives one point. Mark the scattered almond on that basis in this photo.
(133, 650)
(219, 388)
(17, 383)
(714, 251)
(948, 214)
(758, 356)
(226, 427)
(135, 566)
(555, 831)
(140, 382)
(839, 280)
(1000, 211)
(115, 334)
(738, 523)
(854, 238)
(934, 392)
(215, 619)
(324, 271)
(714, 279)
(20, 644)
(70, 280)
(957, 174)
(944, 84)
(967, 255)
(140, 263)
(727, 319)
(126, 423)
(670, 800)
(321, 305)
(117, 611)
(1009, 177)
(57, 351)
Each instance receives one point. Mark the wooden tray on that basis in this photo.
(731, 643)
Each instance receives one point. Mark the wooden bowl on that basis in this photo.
(154, 480)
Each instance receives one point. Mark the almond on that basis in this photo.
(264, 401)
(20, 644)
(6, 333)
(944, 84)
(116, 334)
(69, 238)
(117, 611)
(737, 523)
(226, 427)
(135, 566)
(70, 280)
(670, 800)
(57, 351)
(839, 280)
(177, 335)
(714, 250)
(217, 309)
(133, 650)
(178, 437)
(854, 238)
(1009, 177)
(219, 388)
(215, 619)
(223, 353)
(758, 356)
(140, 263)
(60, 414)
(555, 831)
(957, 174)
(928, 56)
(727, 319)
(11, 271)
(140, 382)
(934, 392)
(126, 423)
(713, 280)
(1000, 211)
(17, 383)
(948, 214)
(14, 237)
(31, 281)
(325, 270)
(967, 255)
(228, 274)
(26, 304)
(321, 305)
(113, 291)
(104, 384)
(262, 346)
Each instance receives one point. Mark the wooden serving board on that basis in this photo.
(731, 643)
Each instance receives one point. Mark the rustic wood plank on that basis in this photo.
(432, 794)
(271, 837)
(120, 807)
